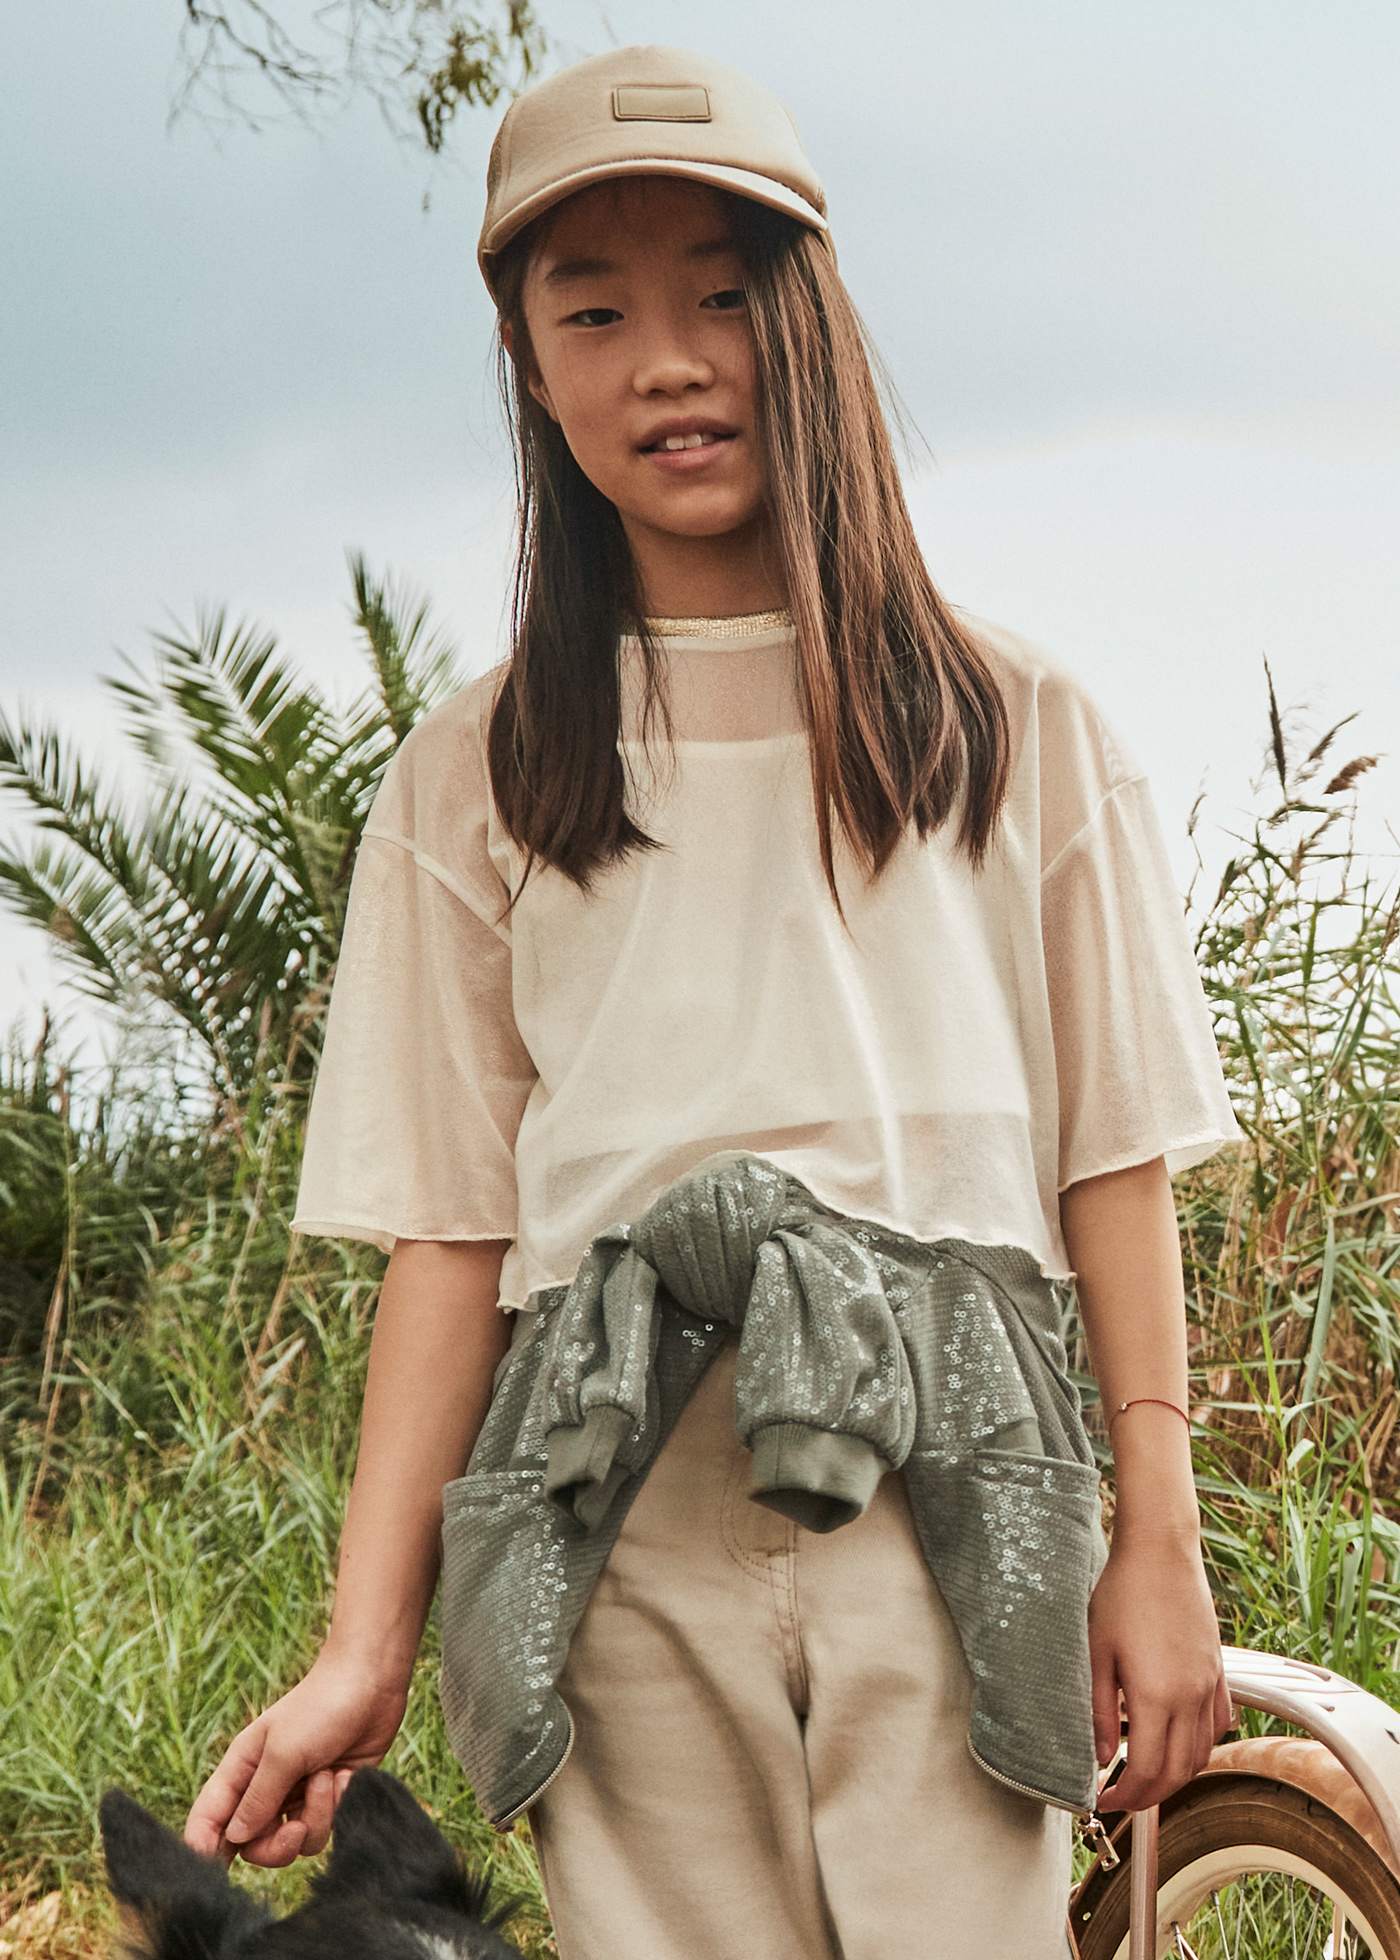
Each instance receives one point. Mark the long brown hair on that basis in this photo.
(903, 713)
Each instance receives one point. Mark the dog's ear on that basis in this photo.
(385, 1845)
(176, 1905)
(383, 1842)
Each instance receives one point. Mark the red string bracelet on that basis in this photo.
(1150, 1398)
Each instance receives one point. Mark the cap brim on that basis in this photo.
(725, 176)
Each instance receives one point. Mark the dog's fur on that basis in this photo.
(393, 1888)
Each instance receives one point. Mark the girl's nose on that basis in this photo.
(670, 366)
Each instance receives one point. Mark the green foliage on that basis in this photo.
(176, 1577)
(426, 57)
(209, 925)
(180, 1393)
(219, 908)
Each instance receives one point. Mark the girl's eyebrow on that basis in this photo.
(587, 268)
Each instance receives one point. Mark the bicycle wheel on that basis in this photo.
(1249, 1869)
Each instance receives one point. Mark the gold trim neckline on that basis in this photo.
(724, 626)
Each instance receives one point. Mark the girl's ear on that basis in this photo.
(533, 382)
(541, 395)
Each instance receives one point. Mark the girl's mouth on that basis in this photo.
(693, 458)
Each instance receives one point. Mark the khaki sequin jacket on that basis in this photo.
(860, 1351)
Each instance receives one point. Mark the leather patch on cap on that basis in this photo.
(661, 102)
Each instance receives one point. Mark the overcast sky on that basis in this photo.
(1133, 270)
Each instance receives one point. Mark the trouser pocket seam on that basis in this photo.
(756, 1564)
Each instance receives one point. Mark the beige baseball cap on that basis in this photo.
(636, 111)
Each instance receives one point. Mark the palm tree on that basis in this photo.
(219, 908)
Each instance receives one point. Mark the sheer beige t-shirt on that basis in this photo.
(983, 1041)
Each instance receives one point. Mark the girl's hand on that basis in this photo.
(1153, 1637)
(274, 1793)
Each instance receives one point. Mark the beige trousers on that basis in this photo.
(770, 1757)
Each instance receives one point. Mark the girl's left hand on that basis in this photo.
(1153, 1636)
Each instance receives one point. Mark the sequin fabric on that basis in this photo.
(861, 1352)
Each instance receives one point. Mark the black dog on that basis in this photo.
(393, 1889)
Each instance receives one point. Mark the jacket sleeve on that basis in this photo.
(1137, 1063)
(423, 1075)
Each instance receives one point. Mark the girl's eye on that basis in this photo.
(727, 292)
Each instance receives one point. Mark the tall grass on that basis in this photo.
(182, 1377)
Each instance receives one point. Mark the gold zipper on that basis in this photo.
(1026, 1789)
(1087, 1822)
(504, 1824)
(1098, 1840)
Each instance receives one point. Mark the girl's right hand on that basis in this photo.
(283, 1775)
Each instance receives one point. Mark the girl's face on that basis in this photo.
(635, 305)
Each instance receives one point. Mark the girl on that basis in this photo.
(612, 1005)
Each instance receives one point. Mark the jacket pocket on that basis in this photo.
(503, 1583)
(1062, 1484)
(479, 1489)
(1014, 1540)
(1037, 1529)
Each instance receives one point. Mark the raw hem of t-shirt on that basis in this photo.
(375, 1233)
(1048, 1270)
(342, 1228)
(1205, 1142)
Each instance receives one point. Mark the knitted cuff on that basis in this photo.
(582, 1468)
(821, 1477)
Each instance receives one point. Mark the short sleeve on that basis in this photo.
(423, 1076)
(1136, 1058)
